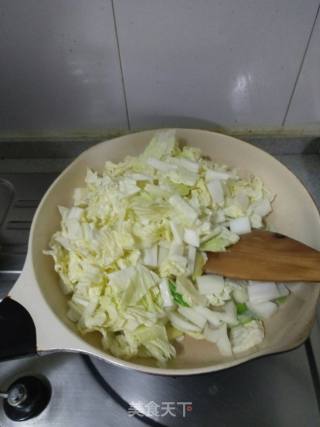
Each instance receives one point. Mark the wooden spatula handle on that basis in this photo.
(267, 256)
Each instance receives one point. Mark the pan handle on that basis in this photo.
(17, 331)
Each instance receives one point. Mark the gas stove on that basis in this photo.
(278, 390)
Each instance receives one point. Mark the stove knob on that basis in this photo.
(26, 398)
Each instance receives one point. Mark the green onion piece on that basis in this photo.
(177, 297)
(241, 308)
(281, 300)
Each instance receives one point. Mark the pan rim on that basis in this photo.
(152, 369)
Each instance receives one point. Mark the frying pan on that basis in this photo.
(33, 317)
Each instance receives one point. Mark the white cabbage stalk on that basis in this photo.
(262, 207)
(213, 174)
(193, 316)
(283, 290)
(247, 336)
(263, 310)
(177, 232)
(183, 208)
(239, 290)
(150, 256)
(182, 324)
(262, 291)
(161, 166)
(191, 237)
(165, 293)
(240, 225)
(187, 164)
(191, 256)
(210, 284)
(216, 191)
(256, 221)
(230, 313)
(216, 318)
(219, 336)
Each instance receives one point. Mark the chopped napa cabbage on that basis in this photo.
(244, 337)
(238, 289)
(199, 263)
(261, 207)
(131, 252)
(182, 324)
(262, 291)
(283, 290)
(166, 293)
(280, 300)
(241, 308)
(163, 144)
(177, 232)
(220, 242)
(191, 237)
(150, 256)
(177, 296)
(210, 284)
(221, 175)
(186, 213)
(193, 316)
(240, 225)
(219, 336)
(189, 292)
(216, 191)
(256, 221)
(263, 310)
(284, 293)
(216, 318)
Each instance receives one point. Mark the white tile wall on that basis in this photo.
(232, 62)
(185, 62)
(305, 106)
(59, 66)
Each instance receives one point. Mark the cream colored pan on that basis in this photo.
(38, 291)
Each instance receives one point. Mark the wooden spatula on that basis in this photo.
(266, 256)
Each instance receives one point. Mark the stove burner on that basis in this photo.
(26, 398)
(116, 397)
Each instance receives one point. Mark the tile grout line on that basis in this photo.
(300, 66)
(121, 67)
